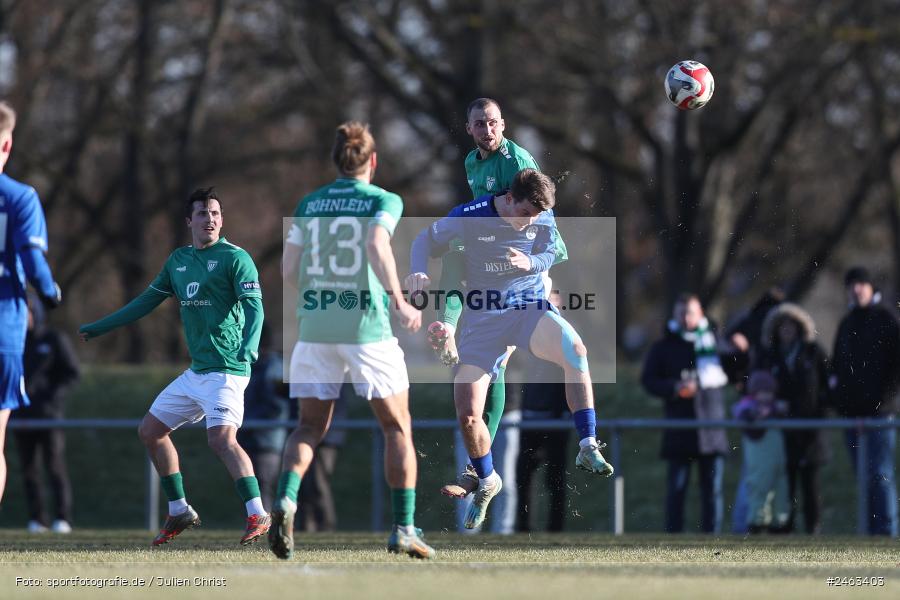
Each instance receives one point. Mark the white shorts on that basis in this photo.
(217, 396)
(377, 370)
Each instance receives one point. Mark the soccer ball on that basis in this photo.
(689, 85)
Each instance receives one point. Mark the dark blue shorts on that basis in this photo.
(486, 334)
(12, 382)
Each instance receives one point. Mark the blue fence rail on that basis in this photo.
(614, 427)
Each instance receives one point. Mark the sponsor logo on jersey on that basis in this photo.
(531, 232)
(196, 303)
(210, 265)
(487, 238)
(498, 267)
(192, 289)
(221, 409)
(489, 183)
(249, 285)
(181, 269)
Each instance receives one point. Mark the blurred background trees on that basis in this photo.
(788, 176)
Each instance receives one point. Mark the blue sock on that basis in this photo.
(484, 466)
(586, 423)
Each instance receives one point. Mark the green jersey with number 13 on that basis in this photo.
(340, 298)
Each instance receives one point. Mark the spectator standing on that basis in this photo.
(864, 381)
(800, 366)
(685, 370)
(50, 370)
(266, 398)
(543, 398)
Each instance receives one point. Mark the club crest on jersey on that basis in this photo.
(489, 183)
(192, 289)
(210, 265)
(531, 232)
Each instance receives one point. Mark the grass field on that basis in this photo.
(351, 565)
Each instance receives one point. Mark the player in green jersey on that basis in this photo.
(217, 286)
(338, 254)
(490, 169)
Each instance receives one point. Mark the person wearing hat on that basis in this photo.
(764, 456)
(800, 367)
(864, 383)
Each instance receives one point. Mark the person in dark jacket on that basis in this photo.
(685, 369)
(266, 397)
(543, 398)
(864, 382)
(800, 366)
(50, 370)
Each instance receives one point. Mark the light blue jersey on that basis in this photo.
(487, 238)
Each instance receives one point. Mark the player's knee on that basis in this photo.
(313, 430)
(468, 422)
(147, 435)
(221, 444)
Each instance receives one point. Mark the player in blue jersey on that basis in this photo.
(508, 245)
(23, 243)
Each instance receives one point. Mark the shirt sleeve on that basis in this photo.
(544, 248)
(246, 277)
(295, 232)
(30, 229)
(162, 283)
(388, 212)
(437, 237)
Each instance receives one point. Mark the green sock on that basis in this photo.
(173, 486)
(288, 486)
(453, 268)
(247, 488)
(495, 403)
(403, 501)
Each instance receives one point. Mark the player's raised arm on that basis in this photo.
(431, 242)
(140, 307)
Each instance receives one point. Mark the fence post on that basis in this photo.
(862, 480)
(377, 480)
(151, 503)
(617, 491)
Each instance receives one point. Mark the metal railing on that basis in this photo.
(615, 427)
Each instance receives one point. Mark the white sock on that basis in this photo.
(255, 506)
(488, 478)
(176, 507)
(285, 503)
(588, 441)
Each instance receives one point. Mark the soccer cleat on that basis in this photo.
(257, 525)
(487, 489)
(442, 341)
(590, 459)
(466, 483)
(412, 544)
(175, 525)
(281, 534)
